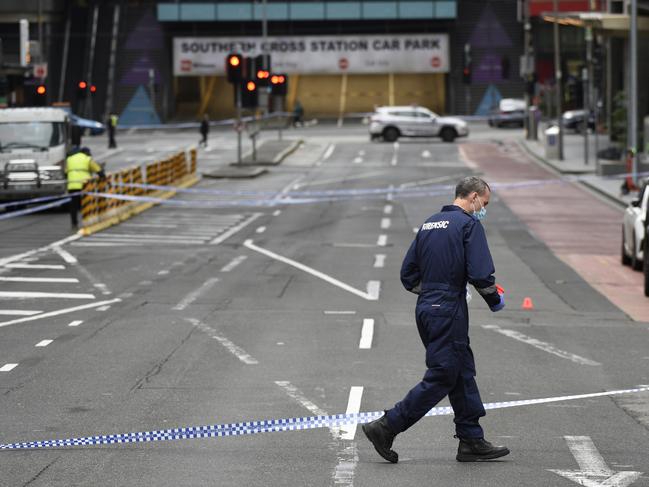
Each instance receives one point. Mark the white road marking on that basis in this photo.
(105, 244)
(233, 263)
(379, 261)
(143, 236)
(235, 350)
(36, 266)
(394, 160)
(192, 296)
(38, 295)
(102, 287)
(43, 343)
(294, 393)
(152, 225)
(382, 240)
(425, 154)
(65, 255)
(38, 279)
(367, 334)
(224, 236)
(12, 258)
(358, 160)
(103, 308)
(593, 470)
(387, 209)
(353, 406)
(333, 312)
(277, 212)
(260, 230)
(385, 223)
(58, 312)
(8, 367)
(328, 152)
(321, 275)
(163, 272)
(75, 323)
(373, 289)
(546, 347)
(18, 312)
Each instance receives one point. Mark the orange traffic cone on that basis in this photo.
(527, 303)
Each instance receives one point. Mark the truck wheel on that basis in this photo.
(448, 134)
(626, 260)
(636, 264)
(390, 134)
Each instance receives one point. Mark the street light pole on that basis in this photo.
(633, 90)
(557, 76)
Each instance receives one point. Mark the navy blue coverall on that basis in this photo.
(449, 250)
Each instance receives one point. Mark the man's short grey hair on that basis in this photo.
(470, 184)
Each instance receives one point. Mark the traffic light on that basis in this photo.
(93, 89)
(279, 84)
(262, 70)
(249, 94)
(82, 89)
(234, 68)
(467, 65)
(40, 99)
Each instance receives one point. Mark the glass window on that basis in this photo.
(31, 135)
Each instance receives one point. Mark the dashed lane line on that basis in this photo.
(385, 223)
(234, 263)
(195, 294)
(235, 350)
(382, 240)
(379, 261)
(367, 334)
(58, 312)
(8, 367)
(43, 343)
(353, 406)
(387, 209)
(75, 323)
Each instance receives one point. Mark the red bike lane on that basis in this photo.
(581, 230)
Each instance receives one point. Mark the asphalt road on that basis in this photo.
(193, 316)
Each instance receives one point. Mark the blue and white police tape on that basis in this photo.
(59, 202)
(30, 201)
(276, 425)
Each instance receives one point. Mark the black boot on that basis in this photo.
(478, 450)
(381, 436)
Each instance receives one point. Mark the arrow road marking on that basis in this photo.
(593, 471)
(373, 287)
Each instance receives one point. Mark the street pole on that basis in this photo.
(586, 94)
(558, 76)
(91, 61)
(527, 74)
(239, 127)
(633, 90)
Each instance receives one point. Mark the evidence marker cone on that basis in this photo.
(527, 303)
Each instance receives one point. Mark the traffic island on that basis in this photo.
(269, 153)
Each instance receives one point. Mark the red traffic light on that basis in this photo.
(83, 85)
(263, 74)
(234, 60)
(250, 86)
(278, 79)
(93, 88)
(41, 90)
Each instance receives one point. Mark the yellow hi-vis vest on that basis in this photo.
(79, 168)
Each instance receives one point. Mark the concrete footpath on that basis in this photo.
(574, 165)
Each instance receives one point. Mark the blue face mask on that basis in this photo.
(481, 214)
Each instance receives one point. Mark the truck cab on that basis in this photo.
(33, 148)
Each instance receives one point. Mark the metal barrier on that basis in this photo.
(98, 213)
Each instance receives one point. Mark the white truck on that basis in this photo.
(33, 148)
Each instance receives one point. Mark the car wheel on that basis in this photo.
(390, 134)
(448, 134)
(636, 264)
(626, 260)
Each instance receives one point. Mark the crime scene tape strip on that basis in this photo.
(276, 425)
(40, 199)
(35, 209)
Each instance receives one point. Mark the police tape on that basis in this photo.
(60, 201)
(30, 201)
(277, 425)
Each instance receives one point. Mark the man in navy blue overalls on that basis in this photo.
(449, 251)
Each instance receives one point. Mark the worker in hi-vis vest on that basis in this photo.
(79, 167)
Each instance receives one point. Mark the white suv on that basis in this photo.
(633, 230)
(390, 123)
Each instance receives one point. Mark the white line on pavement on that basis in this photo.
(192, 296)
(294, 393)
(36, 266)
(394, 160)
(353, 406)
(221, 238)
(18, 312)
(358, 160)
(387, 209)
(546, 347)
(75, 323)
(65, 255)
(103, 308)
(277, 212)
(385, 223)
(43, 343)
(12, 258)
(382, 240)
(587, 456)
(38, 279)
(328, 152)
(334, 312)
(152, 225)
(58, 312)
(365, 295)
(260, 230)
(379, 261)
(144, 236)
(37, 295)
(8, 367)
(367, 334)
(235, 350)
(233, 263)
(373, 289)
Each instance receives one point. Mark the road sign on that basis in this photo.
(343, 63)
(40, 70)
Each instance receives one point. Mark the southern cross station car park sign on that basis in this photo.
(420, 53)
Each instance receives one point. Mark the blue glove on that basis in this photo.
(499, 306)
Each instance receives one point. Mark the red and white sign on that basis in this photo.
(40, 70)
(403, 53)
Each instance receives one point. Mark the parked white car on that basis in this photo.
(390, 123)
(633, 230)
